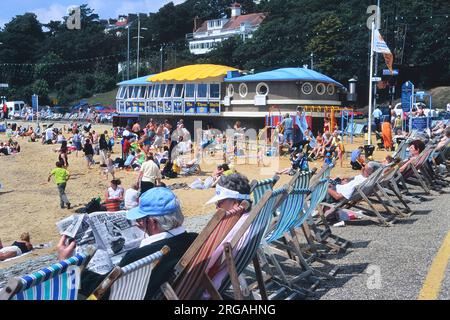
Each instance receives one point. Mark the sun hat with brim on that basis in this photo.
(224, 193)
(155, 202)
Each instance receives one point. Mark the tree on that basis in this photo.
(326, 43)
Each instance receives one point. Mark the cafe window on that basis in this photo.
(155, 91)
(162, 90)
(143, 91)
(214, 91)
(178, 92)
(169, 91)
(190, 90)
(202, 90)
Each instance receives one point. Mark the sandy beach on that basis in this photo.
(29, 203)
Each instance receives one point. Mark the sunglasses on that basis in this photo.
(220, 202)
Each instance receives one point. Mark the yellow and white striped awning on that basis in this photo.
(195, 72)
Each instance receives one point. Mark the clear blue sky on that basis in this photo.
(47, 10)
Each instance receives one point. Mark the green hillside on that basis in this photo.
(106, 98)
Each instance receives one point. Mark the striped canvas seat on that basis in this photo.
(190, 270)
(245, 240)
(131, 281)
(60, 281)
(292, 207)
(259, 188)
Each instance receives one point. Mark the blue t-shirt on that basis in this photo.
(377, 114)
(287, 123)
(355, 155)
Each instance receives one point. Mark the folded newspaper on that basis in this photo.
(110, 232)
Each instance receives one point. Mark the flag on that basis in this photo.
(380, 46)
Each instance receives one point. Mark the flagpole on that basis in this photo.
(369, 133)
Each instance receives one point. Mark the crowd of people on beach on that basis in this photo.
(156, 209)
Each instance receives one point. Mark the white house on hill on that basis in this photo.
(212, 32)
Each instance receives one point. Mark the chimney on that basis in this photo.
(235, 10)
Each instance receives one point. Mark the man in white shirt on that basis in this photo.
(149, 175)
(377, 114)
(347, 186)
(48, 136)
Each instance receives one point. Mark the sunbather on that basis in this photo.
(357, 159)
(159, 215)
(415, 148)
(17, 248)
(345, 187)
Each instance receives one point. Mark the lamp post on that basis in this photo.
(138, 45)
(312, 60)
(161, 58)
(128, 52)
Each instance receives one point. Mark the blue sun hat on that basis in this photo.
(155, 202)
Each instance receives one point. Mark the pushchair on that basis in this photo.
(190, 168)
(380, 141)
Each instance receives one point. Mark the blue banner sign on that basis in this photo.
(152, 107)
(168, 107)
(214, 107)
(189, 107)
(420, 123)
(201, 107)
(407, 92)
(35, 101)
(178, 106)
(387, 72)
(160, 107)
(135, 107)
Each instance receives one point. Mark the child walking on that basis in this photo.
(61, 176)
(109, 167)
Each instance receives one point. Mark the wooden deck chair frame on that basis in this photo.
(17, 285)
(388, 188)
(117, 272)
(411, 173)
(261, 213)
(236, 262)
(287, 228)
(278, 235)
(193, 262)
(316, 236)
(362, 193)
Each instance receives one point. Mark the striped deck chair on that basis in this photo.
(362, 193)
(411, 173)
(359, 128)
(292, 215)
(387, 187)
(131, 281)
(259, 188)
(241, 245)
(314, 234)
(190, 276)
(60, 281)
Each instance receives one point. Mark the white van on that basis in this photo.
(14, 107)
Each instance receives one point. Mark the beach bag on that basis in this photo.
(93, 206)
(168, 170)
(112, 205)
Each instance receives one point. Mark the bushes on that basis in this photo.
(76, 86)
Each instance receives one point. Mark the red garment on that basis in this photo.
(386, 130)
(126, 146)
